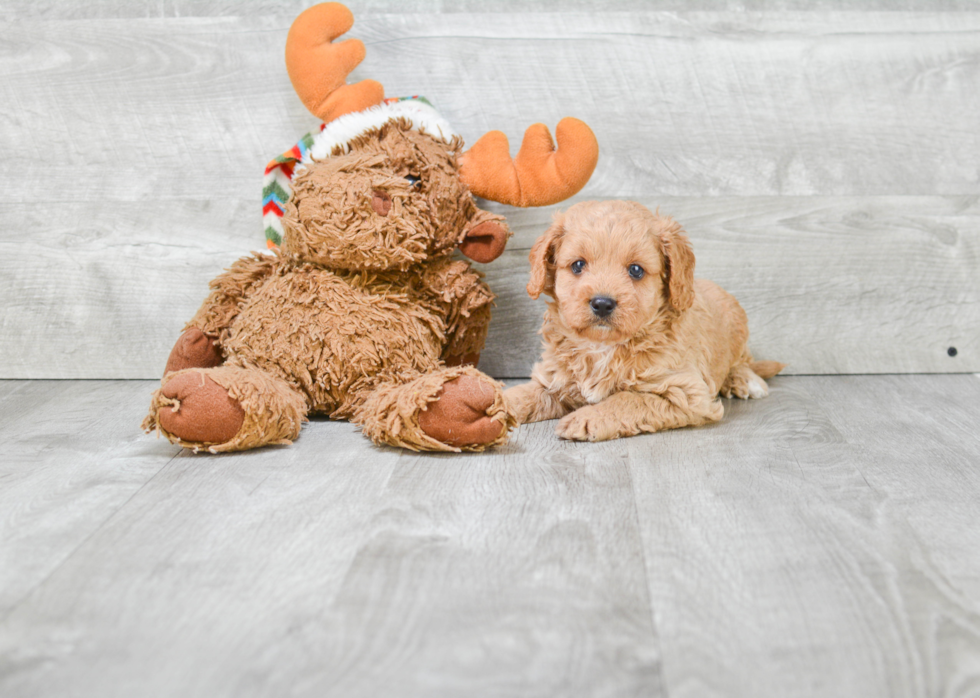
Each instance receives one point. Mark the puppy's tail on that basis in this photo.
(766, 369)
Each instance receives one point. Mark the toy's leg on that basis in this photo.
(226, 409)
(449, 409)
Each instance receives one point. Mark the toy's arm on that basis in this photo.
(467, 301)
(200, 344)
(228, 289)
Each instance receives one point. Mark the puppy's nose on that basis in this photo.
(602, 306)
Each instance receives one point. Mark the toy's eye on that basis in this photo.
(636, 271)
(413, 180)
(577, 266)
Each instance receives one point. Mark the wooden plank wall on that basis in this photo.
(823, 156)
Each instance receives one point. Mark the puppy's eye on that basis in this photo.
(413, 180)
(636, 271)
(577, 266)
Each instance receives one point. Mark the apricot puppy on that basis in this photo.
(632, 342)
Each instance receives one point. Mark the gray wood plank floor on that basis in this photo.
(821, 542)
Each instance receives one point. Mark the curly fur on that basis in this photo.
(663, 355)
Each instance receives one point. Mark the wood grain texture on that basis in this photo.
(334, 568)
(133, 137)
(820, 542)
(72, 456)
(114, 9)
(831, 285)
(686, 104)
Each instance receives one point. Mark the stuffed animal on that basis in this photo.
(363, 313)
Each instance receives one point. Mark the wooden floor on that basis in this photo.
(822, 542)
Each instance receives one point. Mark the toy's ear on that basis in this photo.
(678, 273)
(485, 242)
(543, 259)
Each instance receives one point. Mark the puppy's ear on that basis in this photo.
(678, 271)
(542, 259)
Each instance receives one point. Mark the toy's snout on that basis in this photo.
(381, 202)
(350, 212)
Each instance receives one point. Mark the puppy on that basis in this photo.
(632, 342)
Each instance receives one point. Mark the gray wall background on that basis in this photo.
(823, 157)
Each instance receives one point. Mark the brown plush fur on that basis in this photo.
(660, 359)
(336, 225)
(359, 317)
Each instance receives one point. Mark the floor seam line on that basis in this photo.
(646, 575)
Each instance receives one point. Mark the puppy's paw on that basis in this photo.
(743, 382)
(757, 387)
(589, 424)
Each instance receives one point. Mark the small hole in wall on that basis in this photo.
(951, 351)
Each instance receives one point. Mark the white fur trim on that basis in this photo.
(343, 130)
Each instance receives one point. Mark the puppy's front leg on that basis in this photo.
(530, 402)
(629, 413)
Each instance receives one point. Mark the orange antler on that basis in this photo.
(318, 68)
(540, 175)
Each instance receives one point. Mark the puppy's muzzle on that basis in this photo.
(602, 306)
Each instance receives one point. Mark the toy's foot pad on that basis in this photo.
(196, 409)
(458, 416)
(193, 349)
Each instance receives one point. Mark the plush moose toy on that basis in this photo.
(364, 314)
